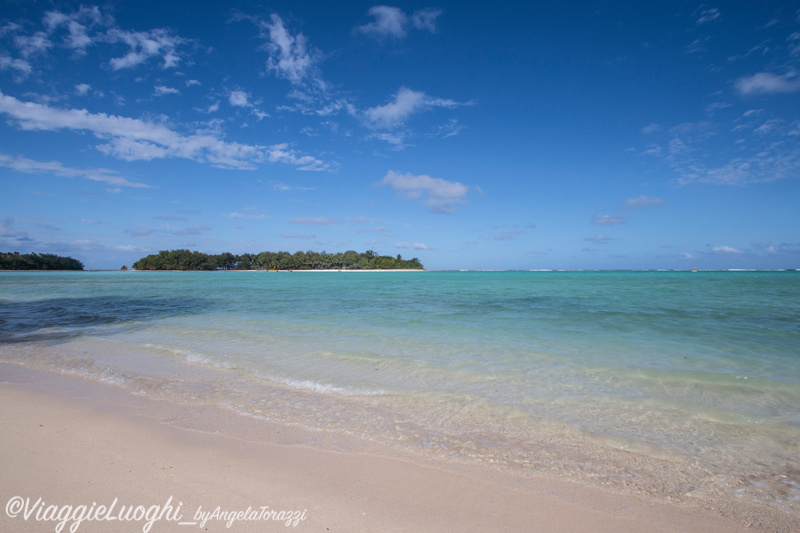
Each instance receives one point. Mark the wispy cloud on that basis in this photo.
(84, 28)
(650, 128)
(134, 139)
(31, 45)
(387, 22)
(642, 201)
(397, 139)
(145, 45)
(608, 220)
(162, 90)
(708, 15)
(405, 103)
(774, 162)
(77, 25)
(769, 153)
(767, 83)
(290, 56)
(316, 221)
(451, 129)
(392, 23)
(282, 187)
(598, 239)
(247, 216)
(440, 195)
(130, 248)
(22, 68)
(378, 229)
(726, 250)
(55, 168)
(425, 19)
(239, 98)
(414, 246)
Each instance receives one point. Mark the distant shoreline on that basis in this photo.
(538, 270)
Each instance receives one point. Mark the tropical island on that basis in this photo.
(349, 260)
(34, 261)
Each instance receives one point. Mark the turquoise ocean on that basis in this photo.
(674, 385)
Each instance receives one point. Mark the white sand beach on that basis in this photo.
(69, 442)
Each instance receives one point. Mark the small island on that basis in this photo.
(349, 260)
(34, 261)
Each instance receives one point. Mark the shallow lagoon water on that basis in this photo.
(670, 384)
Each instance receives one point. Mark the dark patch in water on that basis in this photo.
(25, 321)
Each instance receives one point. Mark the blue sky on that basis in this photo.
(507, 135)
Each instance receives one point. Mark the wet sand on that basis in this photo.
(67, 441)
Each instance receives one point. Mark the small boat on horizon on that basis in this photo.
(694, 268)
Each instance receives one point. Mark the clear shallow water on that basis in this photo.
(675, 385)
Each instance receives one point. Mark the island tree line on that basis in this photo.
(349, 260)
(18, 261)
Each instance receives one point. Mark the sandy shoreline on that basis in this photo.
(72, 442)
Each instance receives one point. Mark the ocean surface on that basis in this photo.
(675, 385)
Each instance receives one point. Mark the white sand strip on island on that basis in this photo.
(357, 270)
(72, 442)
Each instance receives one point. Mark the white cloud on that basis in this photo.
(239, 99)
(78, 25)
(29, 166)
(396, 112)
(391, 23)
(396, 139)
(440, 195)
(130, 248)
(767, 83)
(768, 127)
(598, 239)
(770, 153)
(425, 19)
(405, 103)
(726, 250)
(707, 15)
(608, 220)
(246, 216)
(31, 45)
(87, 27)
(771, 163)
(279, 153)
(162, 90)
(290, 56)
(650, 128)
(388, 22)
(415, 246)
(642, 201)
(282, 187)
(22, 67)
(82, 89)
(242, 99)
(378, 229)
(145, 45)
(316, 221)
(134, 139)
(451, 129)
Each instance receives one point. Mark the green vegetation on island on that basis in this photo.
(349, 260)
(17, 261)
